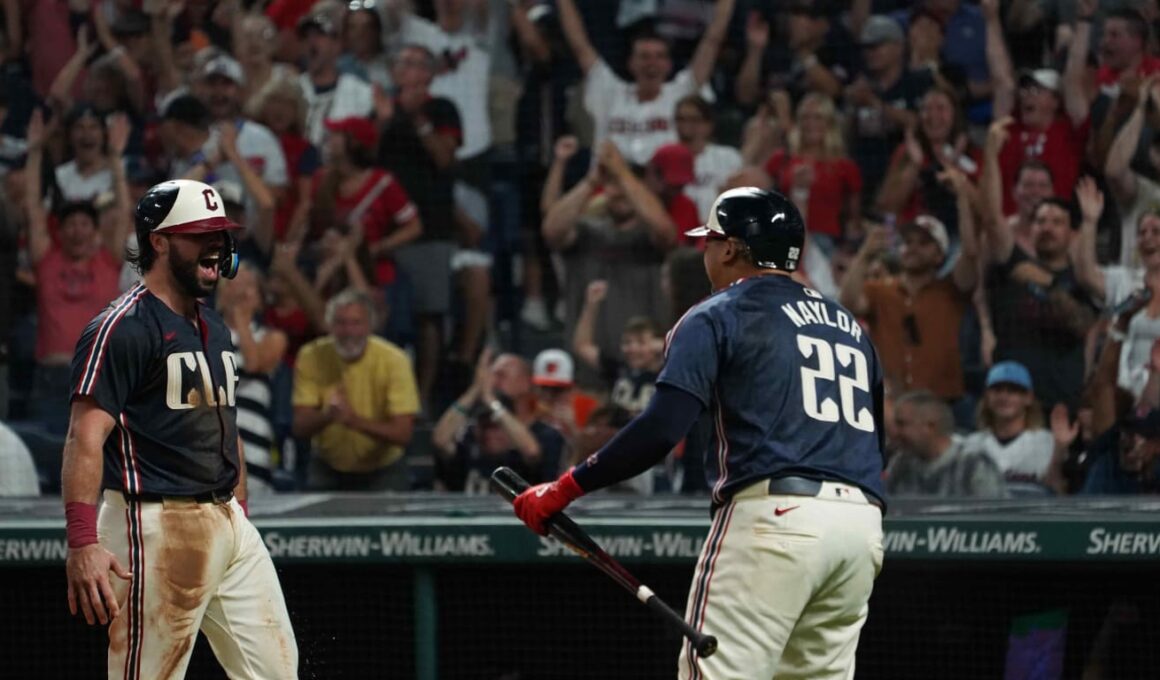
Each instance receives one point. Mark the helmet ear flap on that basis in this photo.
(229, 263)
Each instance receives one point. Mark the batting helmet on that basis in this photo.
(767, 223)
(184, 206)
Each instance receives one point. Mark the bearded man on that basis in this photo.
(355, 395)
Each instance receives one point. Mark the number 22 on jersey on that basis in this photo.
(827, 410)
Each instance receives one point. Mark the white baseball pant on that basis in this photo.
(196, 566)
(784, 582)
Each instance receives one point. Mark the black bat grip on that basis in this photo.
(508, 483)
(705, 645)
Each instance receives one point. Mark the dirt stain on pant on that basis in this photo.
(184, 563)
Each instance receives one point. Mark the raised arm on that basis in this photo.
(1118, 168)
(161, 18)
(1076, 96)
(1083, 251)
(532, 43)
(584, 337)
(998, 62)
(966, 269)
(564, 149)
(60, 92)
(999, 239)
(38, 238)
(559, 225)
(118, 226)
(701, 66)
(577, 36)
(902, 177)
(748, 86)
(853, 292)
(649, 209)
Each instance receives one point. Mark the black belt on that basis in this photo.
(216, 496)
(804, 486)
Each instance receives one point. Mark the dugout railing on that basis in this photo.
(431, 586)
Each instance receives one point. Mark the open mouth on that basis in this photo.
(208, 266)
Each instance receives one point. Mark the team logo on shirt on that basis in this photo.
(189, 381)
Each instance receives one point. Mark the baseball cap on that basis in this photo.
(1046, 78)
(323, 17)
(675, 164)
(185, 108)
(932, 227)
(1009, 373)
(226, 66)
(182, 206)
(361, 129)
(880, 29)
(553, 368)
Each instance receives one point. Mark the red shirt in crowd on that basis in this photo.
(295, 324)
(683, 211)
(381, 205)
(1060, 147)
(1148, 65)
(302, 160)
(835, 181)
(68, 295)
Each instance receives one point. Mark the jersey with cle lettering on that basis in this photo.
(791, 382)
(170, 386)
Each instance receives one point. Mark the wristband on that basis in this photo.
(80, 524)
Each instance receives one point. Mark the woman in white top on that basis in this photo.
(1011, 432)
(259, 352)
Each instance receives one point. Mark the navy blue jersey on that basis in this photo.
(170, 386)
(792, 383)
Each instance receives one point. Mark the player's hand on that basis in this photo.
(89, 589)
(540, 502)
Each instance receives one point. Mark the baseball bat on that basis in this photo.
(509, 484)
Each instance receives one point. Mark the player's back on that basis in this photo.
(797, 390)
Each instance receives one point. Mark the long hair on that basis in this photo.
(833, 144)
(958, 127)
(284, 87)
(322, 211)
(1032, 416)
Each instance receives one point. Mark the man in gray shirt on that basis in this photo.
(930, 461)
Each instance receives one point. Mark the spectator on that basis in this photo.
(939, 141)
(881, 102)
(818, 175)
(87, 174)
(330, 94)
(76, 276)
(355, 395)
(602, 426)
(292, 306)
(914, 319)
(818, 58)
(1124, 458)
(926, 39)
(365, 54)
(1011, 432)
(713, 163)
(259, 353)
(1034, 182)
(1039, 311)
(638, 116)
(667, 174)
(932, 462)
(420, 133)
(620, 236)
(18, 476)
(366, 202)
(280, 106)
(255, 40)
(558, 401)
(1135, 194)
(965, 46)
(467, 452)
(633, 374)
(1124, 60)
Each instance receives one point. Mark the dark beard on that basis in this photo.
(185, 273)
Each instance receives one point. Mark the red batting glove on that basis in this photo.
(540, 502)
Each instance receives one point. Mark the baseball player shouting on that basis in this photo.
(153, 426)
(795, 392)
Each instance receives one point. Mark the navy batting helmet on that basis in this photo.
(765, 221)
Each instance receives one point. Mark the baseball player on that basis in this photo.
(794, 389)
(153, 432)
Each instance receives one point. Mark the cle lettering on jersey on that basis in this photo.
(192, 369)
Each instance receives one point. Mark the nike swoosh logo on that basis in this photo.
(170, 335)
(541, 491)
(781, 511)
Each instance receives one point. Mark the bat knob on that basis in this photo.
(706, 646)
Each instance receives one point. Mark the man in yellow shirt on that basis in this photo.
(355, 394)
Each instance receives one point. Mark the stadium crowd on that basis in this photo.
(464, 220)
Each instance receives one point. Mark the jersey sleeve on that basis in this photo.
(600, 88)
(398, 205)
(110, 360)
(693, 357)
